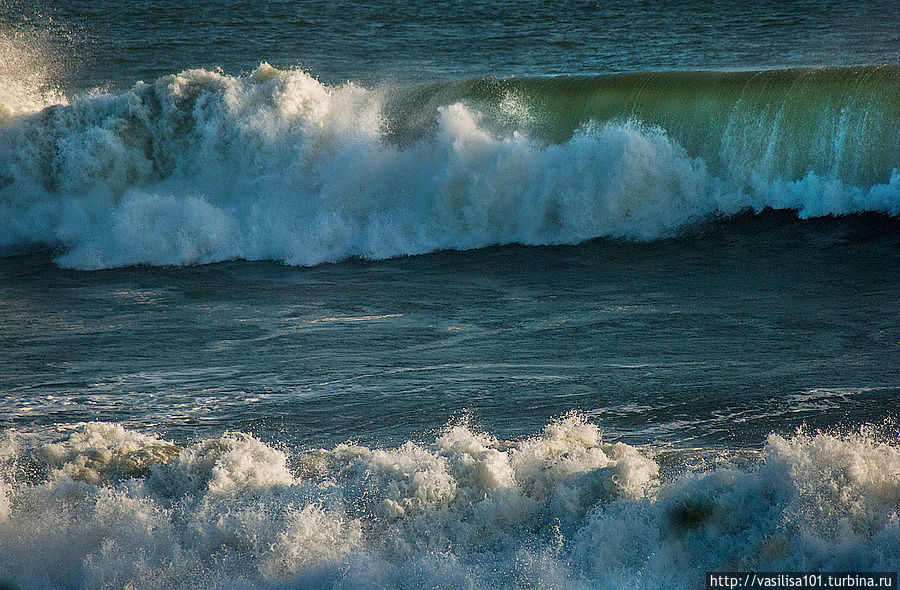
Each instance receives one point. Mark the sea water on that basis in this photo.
(447, 295)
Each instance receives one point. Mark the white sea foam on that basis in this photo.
(202, 167)
(563, 509)
(101, 451)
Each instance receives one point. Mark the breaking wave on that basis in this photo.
(202, 167)
(110, 507)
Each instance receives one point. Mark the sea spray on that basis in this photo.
(28, 77)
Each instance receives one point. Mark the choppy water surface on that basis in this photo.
(741, 327)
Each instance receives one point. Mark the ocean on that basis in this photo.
(481, 295)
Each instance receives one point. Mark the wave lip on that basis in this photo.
(464, 510)
(201, 167)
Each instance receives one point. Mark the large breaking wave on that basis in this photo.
(110, 507)
(202, 167)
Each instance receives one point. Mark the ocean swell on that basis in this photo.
(201, 167)
(109, 507)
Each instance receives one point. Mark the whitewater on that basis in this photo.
(202, 167)
(110, 507)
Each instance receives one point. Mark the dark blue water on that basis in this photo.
(117, 43)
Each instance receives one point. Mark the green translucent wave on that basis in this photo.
(775, 124)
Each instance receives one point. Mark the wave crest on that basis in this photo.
(202, 167)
